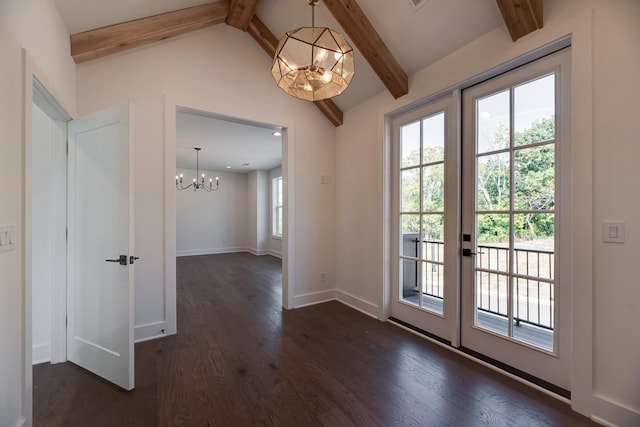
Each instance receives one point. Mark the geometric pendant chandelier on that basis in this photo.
(313, 63)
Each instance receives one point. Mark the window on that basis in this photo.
(276, 207)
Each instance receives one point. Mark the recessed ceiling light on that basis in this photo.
(276, 133)
(228, 167)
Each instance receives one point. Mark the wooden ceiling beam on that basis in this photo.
(269, 42)
(241, 12)
(357, 26)
(521, 16)
(117, 38)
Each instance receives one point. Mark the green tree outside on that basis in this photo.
(534, 188)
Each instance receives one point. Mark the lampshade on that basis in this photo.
(313, 63)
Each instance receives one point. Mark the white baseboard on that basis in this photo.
(608, 412)
(150, 331)
(359, 304)
(258, 252)
(314, 298)
(276, 254)
(41, 353)
(209, 251)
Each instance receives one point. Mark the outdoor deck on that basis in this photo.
(535, 335)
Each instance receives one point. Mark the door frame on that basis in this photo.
(56, 216)
(172, 104)
(36, 80)
(581, 177)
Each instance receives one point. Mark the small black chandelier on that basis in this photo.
(197, 185)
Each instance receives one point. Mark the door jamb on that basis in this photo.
(34, 80)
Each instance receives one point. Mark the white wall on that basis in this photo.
(215, 222)
(258, 194)
(605, 375)
(616, 59)
(252, 211)
(275, 243)
(214, 70)
(36, 26)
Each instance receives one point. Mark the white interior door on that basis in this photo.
(516, 291)
(425, 222)
(100, 225)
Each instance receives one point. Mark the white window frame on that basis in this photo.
(277, 198)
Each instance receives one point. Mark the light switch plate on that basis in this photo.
(7, 237)
(613, 231)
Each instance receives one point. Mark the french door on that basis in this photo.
(482, 222)
(425, 173)
(515, 293)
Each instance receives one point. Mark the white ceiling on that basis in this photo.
(416, 39)
(225, 143)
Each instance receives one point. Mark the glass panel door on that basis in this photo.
(425, 248)
(510, 292)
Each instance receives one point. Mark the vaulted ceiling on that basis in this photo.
(392, 38)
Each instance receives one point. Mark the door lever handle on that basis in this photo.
(122, 260)
(132, 259)
(467, 252)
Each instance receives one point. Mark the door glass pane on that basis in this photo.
(491, 301)
(492, 178)
(534, 111)
(493, 240)
(493, 123)
(432, 286)
(433, 188)
(533, 307)
(410, 233)
(515, 239)
(422, 192)
(410, 144)
(433, 233)
(534, 176)
(410, 190)
(534, 257)
(409, 280)
(433, 144)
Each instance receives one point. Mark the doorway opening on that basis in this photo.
(63, 253)
(242, 163)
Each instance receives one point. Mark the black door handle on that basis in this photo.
(132, 259)
(122, 260)
(467, 252)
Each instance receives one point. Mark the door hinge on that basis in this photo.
(66, 320)
(66, 234)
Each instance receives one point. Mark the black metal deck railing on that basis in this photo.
(532, 273)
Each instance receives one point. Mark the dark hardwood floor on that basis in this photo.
(240, 360)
